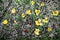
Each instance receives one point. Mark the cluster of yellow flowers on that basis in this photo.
(36, 11)
(41, 4)
(37, 31)
(29, 12)
(38, 22)
(6, 21)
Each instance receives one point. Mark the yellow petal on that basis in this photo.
(41, 24)
(49, 29)
(36, 33)
(37, 30)
(39, 20)
(37, 23)
(14, 21)
(45, 20)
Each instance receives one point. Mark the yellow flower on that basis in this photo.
(42, 4)
(23, 15)
(37, 12)
(32, 2)
(28, 12)
(14, 21)
(55, 13)
(45, 20)
(5, 21)
(49, 29)
(36, 32)
(13, 10)
(38, 22)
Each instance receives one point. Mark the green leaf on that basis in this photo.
(44, 37)
(6, 15)
(33, 16)
(21, 38)
(40, 16)
(19, 2)
(36, 38)
(16, 26)
(1, 8)
(20, 17)
(1, 1)
(27, 1)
